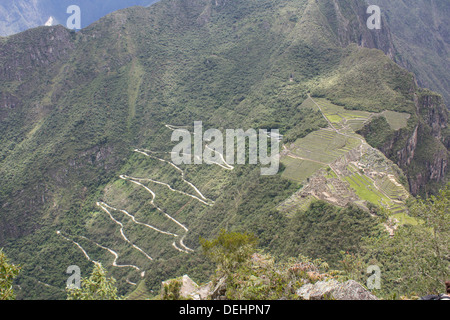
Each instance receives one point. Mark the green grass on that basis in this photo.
(324, 146)
(397, 120)
(308, 104)
(365, 190)
(403, 218)
(141, 292)
(330, 174)
(299, 170)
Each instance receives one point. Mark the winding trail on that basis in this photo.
(122, 232)
(145, 153)
(138, 181)
(187, 250)
(153, 202)
(323, 114)
(78, 245)
(177, 248)
(225, 164)
(114, 253)
(133, 218)
(173, 128)
(116, 256)
(184, 246)
(168, 186)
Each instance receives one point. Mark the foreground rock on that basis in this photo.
(323, 290)
(188, 288)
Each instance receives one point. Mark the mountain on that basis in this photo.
(19, 15)
(87, 119)
(421, 35)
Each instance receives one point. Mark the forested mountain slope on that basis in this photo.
(421, 35)
(19, 15)
(86, 120)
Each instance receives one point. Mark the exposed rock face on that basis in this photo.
(434, 113)
(189, 289)
(433, 120)
(406, 154)
(428, 36)
(422, 150)
(323, 290)
(356, 31)
(20, 15)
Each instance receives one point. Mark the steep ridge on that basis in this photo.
(422, 41)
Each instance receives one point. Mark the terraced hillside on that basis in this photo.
(337, 165)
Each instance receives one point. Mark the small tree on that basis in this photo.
(229, 250)
(96, 287)
(172, 290)
(8, 272)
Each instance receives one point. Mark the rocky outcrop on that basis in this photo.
(21, 55)
(321, 290)
(406, 154)
(434, 112)
(334, 290)
(7, 103)
(220, 289)
(189, 289)
(353, 29)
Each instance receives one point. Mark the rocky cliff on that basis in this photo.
(421, 149)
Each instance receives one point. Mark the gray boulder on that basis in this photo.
(334, 290)
(189, 289)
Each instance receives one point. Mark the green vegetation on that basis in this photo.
(171, 291)
(141, 292)
(332, 147)
(8, 272)
(356, 83)
(75, 113)
(229, 250)
(299, 170)
(324, 146)
(250, 274)
(396, 120)
(377, 132)
(96, 287)
(414, 262)
(324, 230)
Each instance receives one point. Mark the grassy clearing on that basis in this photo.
(330, 174)
(296, 204)
(339, 115)
(365, 189)
(396, 120)
(324, 146)
(308, 103)
(299, 170)
(391, 189)
(403, 218)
